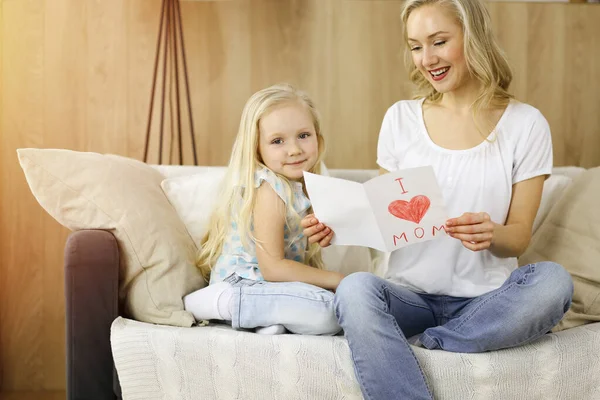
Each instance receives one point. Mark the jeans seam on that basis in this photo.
(480, 305)
(526, 275)
(428, 341)
(288, 295)
(401, 334)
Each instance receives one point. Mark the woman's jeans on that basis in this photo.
(377, 316)
(299, 307)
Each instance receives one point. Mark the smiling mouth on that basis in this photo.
(296, 163)
(439, 74)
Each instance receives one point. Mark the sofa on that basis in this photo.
(126, 341)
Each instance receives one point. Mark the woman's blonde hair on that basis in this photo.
(484, 58)
(237, 192)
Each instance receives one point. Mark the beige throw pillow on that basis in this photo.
(123, 196)
(570, 236)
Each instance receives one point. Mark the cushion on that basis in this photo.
(571, 171)
(194, 197)
(216, 362)
(554, 187)
(123, 196)
(570, 236)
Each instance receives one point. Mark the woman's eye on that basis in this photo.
(304, 135)
(276, 141)
(415, 48)
(440, 43)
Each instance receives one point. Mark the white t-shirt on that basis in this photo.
(473, 180)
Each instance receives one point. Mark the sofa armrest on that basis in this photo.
(91, 294)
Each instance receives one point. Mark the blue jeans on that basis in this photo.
(299, 307)
(377, 316)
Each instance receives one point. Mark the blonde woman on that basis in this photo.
(491, 155)
(262, 273)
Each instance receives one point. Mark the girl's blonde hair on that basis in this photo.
(237, 192)
(484, 58)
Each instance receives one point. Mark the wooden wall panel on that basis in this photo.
(2, 233)
(550, 43)
(22, 249)
(581, 134)
(77, 74)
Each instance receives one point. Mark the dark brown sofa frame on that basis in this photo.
(92, 304)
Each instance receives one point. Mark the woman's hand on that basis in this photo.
(474, 230)
(315, 231)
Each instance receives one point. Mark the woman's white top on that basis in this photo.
(473, 180)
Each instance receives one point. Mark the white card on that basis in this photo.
(386, 213)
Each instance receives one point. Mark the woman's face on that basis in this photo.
(435, 39)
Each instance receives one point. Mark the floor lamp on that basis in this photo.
(171, 46)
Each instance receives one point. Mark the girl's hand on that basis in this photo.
(474, 230)
(315, 231)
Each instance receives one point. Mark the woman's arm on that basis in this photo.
(269, 222)
(478, 232)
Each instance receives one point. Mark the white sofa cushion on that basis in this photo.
(194, 197)
(216, 362)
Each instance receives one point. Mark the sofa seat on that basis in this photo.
(217, 362)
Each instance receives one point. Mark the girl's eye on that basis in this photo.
(276, 141)
(304, 135)
(415, 48)
(440, 43)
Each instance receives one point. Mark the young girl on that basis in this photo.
(262, 273)
(491, 154)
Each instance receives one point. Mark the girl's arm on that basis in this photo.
(269, 222)
(478, 232)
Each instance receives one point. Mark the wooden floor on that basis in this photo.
(33, 396)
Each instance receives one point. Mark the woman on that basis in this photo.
(491, 154)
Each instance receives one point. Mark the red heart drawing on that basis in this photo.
(413, 210)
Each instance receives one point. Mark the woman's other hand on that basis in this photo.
(474, 230)
(315, 231)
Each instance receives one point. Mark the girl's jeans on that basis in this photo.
(299, 307)
(377, 316)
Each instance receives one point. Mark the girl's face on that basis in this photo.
(287, 141)
(435, 39)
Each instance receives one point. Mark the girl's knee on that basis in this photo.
(329, 325)
(321, 323)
